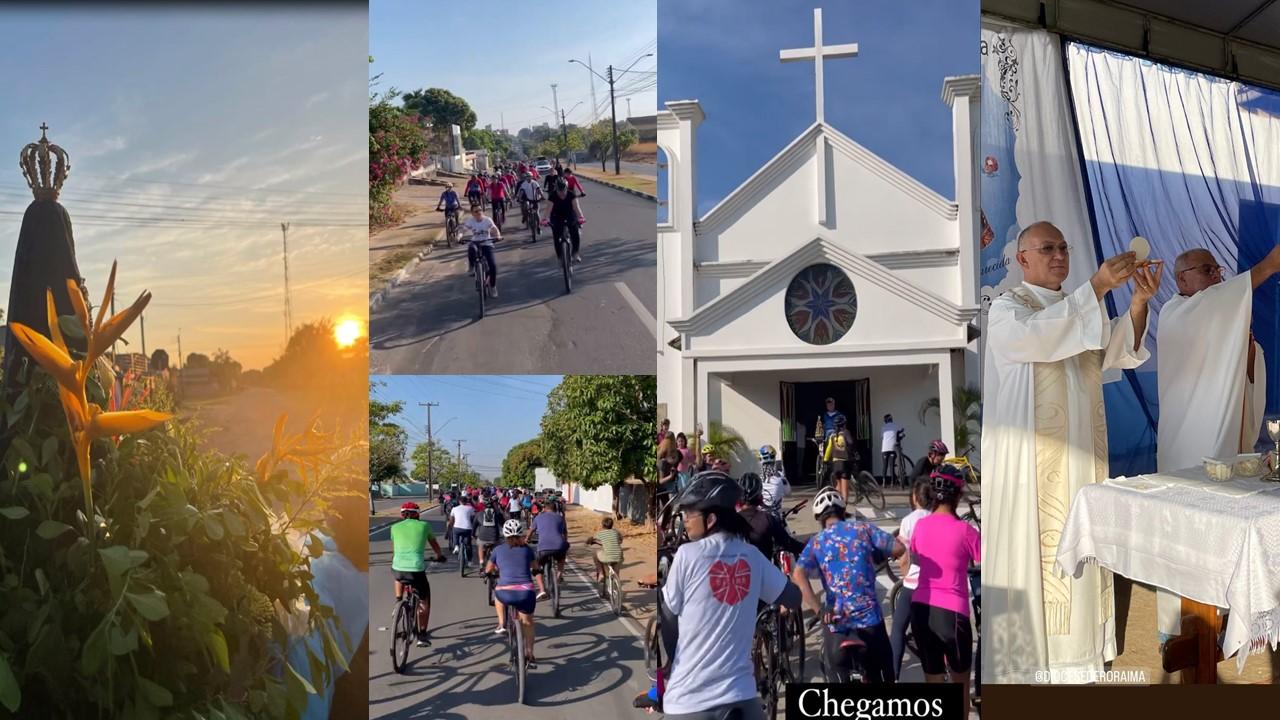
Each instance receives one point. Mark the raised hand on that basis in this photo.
(1113, 273)
(1146, 281)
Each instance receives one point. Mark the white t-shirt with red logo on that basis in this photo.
(713, 586)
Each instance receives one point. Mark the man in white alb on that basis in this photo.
(1211, 375)
(1043, 438)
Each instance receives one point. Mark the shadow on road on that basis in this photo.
(528, 275)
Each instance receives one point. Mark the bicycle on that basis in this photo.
(531, 221)
(515, 646)
(852, 674)
(866, 488)
(793, 625)
(464, 553)
(450, 226)
(499, 212)
(552, 581)
(480, 269)
(404, 626)
(611, 588)
(564, 246)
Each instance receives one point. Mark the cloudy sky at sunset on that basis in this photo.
(193, 133)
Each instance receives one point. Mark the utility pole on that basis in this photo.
(459, 452)
(555, 103)
(431, 446)
(595, 112)
(288, 303)
(142, 325)
(628, 108)
(564, 136)
(613, 110)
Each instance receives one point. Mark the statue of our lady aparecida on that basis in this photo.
(45, 258)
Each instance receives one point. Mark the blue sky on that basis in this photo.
(724, 53)
(230, 119)
(490, 412)
(502, 56)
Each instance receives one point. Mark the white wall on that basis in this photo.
(600, 499)
(544, 479)
(900, 391)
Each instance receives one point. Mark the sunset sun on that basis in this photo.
(347, 332)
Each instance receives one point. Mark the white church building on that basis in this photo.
(828, 273)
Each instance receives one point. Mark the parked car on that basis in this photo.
(543, 167)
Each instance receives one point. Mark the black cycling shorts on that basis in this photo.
(874, 658)
(418, 581)
(559, 555)
(944, 637)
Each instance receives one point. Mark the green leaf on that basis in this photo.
(116, 560)
(50, 529)
(293, 674)
(315, 546)
(10, 691)
(218, 646)
(40, 485)
(49, 450)
(144, 502)
(94, 652)
(120, 642)
(70, 327)
(15, 512)
(332, 643)
(151, 606)
(42, 581)
(213, 528)
(155, 693)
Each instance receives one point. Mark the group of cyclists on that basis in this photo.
(550, 200)
(727, 567)
(508, 524)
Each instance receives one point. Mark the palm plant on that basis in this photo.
(967, 402)
(726, 441)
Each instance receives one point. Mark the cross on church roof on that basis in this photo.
(816, 54)
(43, 128)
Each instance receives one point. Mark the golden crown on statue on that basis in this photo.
(37, 161)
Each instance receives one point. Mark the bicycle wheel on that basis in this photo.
(762, 654)
(462, 559)
(653, 658)
(615, 592)
(554, 582)
(565, 261)
(796, 628)
(513, 618)
(489, 582)
(868, 489)
(401, 636)
(481, 280)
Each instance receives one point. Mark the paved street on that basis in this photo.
(428, 324)
(590, 664)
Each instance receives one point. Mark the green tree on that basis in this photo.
(598, 430)
(225, 370)
(967, 404)
(387, 440)
(440, 461)
(397, 144)
(520, 462)
(562, 144)
(441, 107)
(197, 360)
(599, 140)
(726, 443)
(497, 144)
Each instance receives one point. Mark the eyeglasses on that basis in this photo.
(1207, 268)
(1050, 250)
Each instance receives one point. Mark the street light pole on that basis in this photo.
(613, 109)
(430, 444)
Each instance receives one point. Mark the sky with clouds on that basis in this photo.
(491, 413)
(724, 53)
(502, 56)
(193, 133)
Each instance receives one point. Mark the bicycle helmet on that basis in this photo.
(840, 420)
(768, 454)
(409, 508)
(752, 487)
(708, 449)
(711, 489)
(948, 481)
(561, 185)
(511, 528)
(938, 447)
(827, 500)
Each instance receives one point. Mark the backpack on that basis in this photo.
(489, 518)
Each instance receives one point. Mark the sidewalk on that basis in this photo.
(390, 249)
(647, 184)
(640, 554)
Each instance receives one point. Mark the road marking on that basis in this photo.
(650, 323)
(626, 622)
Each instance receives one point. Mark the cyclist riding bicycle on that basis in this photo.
(841, 554)
(574, 183)
(768, 533)
(475, 190)
(529, 193)
(488, 526)
(774, 481)
(409, 539)
(707, 607)
(449, 201)
(553, 542)
(943, 546)
(462, 522)
(610, 542)
(514, 564)
(483, 233)
(498, 193)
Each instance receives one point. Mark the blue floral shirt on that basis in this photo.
(843, 554)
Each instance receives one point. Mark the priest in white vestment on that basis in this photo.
(1044, 437)
(1212, 376)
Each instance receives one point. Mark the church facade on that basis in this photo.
(827, 273)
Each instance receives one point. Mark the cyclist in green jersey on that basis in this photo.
(409, 539)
